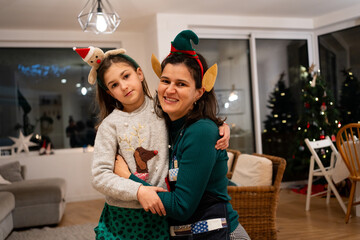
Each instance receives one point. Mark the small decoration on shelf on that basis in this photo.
(46, 148)
(22, 142)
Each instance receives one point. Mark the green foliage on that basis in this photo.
(350, 99)
(318, 118)
(279, 125)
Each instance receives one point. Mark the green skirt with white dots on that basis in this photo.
(129, 224)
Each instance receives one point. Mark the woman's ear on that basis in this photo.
(199, 93)
(140, 74)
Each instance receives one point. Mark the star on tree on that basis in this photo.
(22, 142)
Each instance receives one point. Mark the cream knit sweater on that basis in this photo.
(122, 133)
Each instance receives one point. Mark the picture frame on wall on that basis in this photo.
(231, 101)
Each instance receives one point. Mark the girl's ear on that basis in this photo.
(140, 73)
(108, 92)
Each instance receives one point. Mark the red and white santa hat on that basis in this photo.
(85, 53)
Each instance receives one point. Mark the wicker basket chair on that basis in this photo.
(257, 206)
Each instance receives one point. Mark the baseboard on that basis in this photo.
(84, 197)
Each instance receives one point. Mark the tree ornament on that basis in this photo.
(323, 107)
(311, 68)
(301, 148)
(326, 120)
(313, 82)
(307, 105)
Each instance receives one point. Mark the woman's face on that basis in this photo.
(176, 91)
(124, 84)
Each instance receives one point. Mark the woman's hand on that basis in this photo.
(223, 143)
(121, 168)
(149, 199)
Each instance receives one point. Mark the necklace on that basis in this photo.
(174, 140)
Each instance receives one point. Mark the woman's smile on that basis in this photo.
(170, 100)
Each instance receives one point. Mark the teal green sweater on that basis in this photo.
(201, 168)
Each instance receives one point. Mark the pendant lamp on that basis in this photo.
(98, 16)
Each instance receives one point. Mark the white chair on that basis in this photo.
(322, 171)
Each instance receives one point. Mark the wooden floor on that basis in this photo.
(325, 222)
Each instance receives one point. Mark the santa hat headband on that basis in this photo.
(85, 53)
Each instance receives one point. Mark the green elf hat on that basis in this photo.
(182, 45)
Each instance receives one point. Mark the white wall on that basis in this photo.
(73, 165)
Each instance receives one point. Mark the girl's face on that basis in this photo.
(176, 91)
(124, 84)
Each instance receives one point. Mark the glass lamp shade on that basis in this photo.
(98, 16)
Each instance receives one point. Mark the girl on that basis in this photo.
(198, 205)
(129, 127)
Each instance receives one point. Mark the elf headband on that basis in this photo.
(95, 56)
(182, 45)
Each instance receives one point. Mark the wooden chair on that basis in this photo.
(236, 154)
(322, 171)
(347, 142)
(257, 206)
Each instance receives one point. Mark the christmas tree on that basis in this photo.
(350, 99)
(279, 125)
(318, 118)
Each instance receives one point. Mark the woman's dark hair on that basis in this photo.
(207, 105)
(106, 102)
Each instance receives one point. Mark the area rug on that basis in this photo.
(76, 232)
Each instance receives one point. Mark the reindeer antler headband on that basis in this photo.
(182, 45)
(95, 56)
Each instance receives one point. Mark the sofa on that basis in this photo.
(28, 203)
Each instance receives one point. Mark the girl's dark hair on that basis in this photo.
(106, 102)
(207, 105)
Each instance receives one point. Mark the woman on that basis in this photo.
(198, 205)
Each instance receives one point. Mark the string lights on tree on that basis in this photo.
(318, 118)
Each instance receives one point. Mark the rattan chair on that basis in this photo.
(347, 142)
(257, 206)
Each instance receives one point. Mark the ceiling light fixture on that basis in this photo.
(98, 16)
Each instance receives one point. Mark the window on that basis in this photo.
(41, 89)
(278, 63)
(340, 67)
(233, 87)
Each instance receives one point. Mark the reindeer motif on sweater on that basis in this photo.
(141, 155)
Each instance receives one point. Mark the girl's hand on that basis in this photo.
(223, 143)
(121, 168)
(149, 199)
